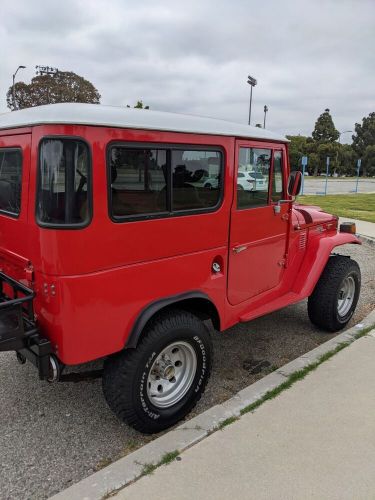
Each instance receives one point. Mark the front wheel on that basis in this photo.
(157, 384)
(336, 294)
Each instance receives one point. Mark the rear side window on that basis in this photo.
(64, 180)
(138, 181)
(152, 182)
(10, 181)
(195, 179)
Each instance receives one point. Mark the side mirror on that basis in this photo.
(294, 183)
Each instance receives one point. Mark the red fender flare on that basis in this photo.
(315, 260)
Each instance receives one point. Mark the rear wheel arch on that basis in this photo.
(195, 302)
(157, 384)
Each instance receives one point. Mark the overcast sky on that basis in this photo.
(194, 56)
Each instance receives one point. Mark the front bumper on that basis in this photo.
(18, 330)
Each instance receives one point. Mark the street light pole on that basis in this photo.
(265, 113)
(13, 87)
(252, 82)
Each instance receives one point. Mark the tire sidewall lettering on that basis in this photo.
(202, 365)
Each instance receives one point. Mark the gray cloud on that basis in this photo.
(306, 54)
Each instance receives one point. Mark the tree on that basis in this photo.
(297, 149)
(328, 149)
(325, 130)
(324, 139)
(363, 141)
(49, 89)
(313, 165)
(139, 105)
(369, 161)
(347, 160)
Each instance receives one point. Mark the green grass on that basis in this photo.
(353, 206)
(227, 421)
(166, 459)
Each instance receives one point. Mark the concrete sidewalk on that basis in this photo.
(314, 440)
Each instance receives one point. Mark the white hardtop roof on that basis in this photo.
(113, 116)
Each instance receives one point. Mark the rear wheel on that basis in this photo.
(155, 385)
(336, 294)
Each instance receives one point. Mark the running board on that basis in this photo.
(279, 303)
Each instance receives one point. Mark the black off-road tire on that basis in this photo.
(322, 305)
(125, 373)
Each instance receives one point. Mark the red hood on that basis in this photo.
(308, 215)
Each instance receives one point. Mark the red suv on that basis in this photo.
(113, 244)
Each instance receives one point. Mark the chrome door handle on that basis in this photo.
(239, 249)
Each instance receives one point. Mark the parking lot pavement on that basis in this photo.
(54, 435)
(337, 185)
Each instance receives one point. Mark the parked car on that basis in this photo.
(109, 251)
(245, 181)
(261, 183)
(207, 182)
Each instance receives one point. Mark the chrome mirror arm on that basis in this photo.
(277, 207)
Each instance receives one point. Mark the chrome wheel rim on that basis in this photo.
(171, 374)
(346, 296)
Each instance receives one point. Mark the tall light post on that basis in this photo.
(46, 70)
(344, 132)
(13, 87)
(265, 114)
(252, 82)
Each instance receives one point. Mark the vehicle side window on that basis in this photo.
(253, 174)
(64, 181)
(10, 181)
(138, 181)
(195, 179)
(277, 178)
(152, 182)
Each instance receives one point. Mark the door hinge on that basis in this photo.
(282, 263)
(285, 217)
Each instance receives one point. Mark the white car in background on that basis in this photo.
(206, 181)
(251, 181)
(245, 181)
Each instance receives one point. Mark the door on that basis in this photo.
(14, 187)
(258, 232)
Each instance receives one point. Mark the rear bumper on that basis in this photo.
(18, 330)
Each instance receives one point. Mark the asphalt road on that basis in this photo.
(54, 435)
(337, 186)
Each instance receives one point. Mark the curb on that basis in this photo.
(125, 470)
(366, 239)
